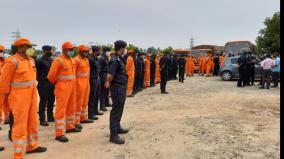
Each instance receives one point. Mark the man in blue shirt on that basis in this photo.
(276, 70)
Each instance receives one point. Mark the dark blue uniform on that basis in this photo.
(181, 68)
(242, 61)
(164, 72)
(94, 86)
(118, 91)
(152, 71)
(104, 93)
(45, 88)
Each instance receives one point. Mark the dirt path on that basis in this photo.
(204, 118)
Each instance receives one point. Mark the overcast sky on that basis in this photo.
(145, 23)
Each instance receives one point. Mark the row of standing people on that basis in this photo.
(77, 84)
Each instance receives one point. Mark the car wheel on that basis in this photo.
(226, 76)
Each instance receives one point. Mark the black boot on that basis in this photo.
(38, 150)
(62, 138)
(120, 130)
(99, 113)
(87, 121)
(44, 123)
(75, 130)
(103, 109)
(2, 148)
(116, 139)
(79, 126)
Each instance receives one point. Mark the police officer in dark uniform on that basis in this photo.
(242, 61)
(117, 81)
(135, 86)
(175, 67)
(141, 68)
(45, 88)
(164, 72)
(104, 93)
(170, 67)
(152, 70)
(94, 84)
(251, 68)
(181, 68)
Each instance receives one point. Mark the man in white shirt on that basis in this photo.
(266, 73)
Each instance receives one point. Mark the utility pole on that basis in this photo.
(191, 42)
(15, 35)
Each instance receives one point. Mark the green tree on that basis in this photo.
(152, 50)
(133, 47)
(269, 37)
(168, 50)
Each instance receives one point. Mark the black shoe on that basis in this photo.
(99, 113)
(38, 150)
(62, 138)
(6, 122)
(10, 136)
(267, 87)
(75, 130)
(103, 109)
(2, 148)
(122, 131)
(79, 126)
(86, 121)
(94, 118)
(165, 92)
(44, 123)
(116, 139)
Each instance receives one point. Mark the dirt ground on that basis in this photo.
(203, 118)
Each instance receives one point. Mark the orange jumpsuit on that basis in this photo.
(82, 88)
(221, 59)
(147, 73)
(130, 69)
(200, 63)
(190, 66)
(62, 73)
(208, 65)
(4, 106)
(18, 79)
(157, 72)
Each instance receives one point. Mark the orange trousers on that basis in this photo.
(65, 92)
(147, 78)
(208, 69)
(192, 69)
(82, 99)
(4, 108)
(130, 83)
(200, 69)
(24, 106)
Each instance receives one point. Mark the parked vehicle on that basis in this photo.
(230, 69)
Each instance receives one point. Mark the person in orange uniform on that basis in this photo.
(2, 96)
(212, 64)
(82, 86)
(62, 73)
(147, 71)
(208, 63)
(187, 66)
(222, 59)
(157, 71)
(200, 63)
(130, 70)
(18, 79)
(192, 65)
(204, 65)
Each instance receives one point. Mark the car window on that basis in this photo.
(234, 60)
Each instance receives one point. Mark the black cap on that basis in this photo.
(106, 49)
(47, 48)
(95, 48)
(120, 44)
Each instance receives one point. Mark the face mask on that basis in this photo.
(30, 52)
(70, 53)
(108, 53)
(85, 54)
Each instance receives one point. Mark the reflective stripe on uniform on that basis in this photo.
(65, 77)
(60, 127)
(82, 74)
(22, 84)
(60, 121)
(16, 63)
(18, 149)
(70, 121)
(70, 117)
(19, 142)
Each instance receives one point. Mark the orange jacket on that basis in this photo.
(147, 71)
(17, 72)
(82, 67)
(62, 69)
(130, 66)
(157, 72)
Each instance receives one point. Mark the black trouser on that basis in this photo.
(118, 95)
(11, 123)
(251, 74)
(181, 72)
(164, 79)
(275, 78)
(47, 98)
(104, 92)
(266, 75)
(242, 76)
(216, 69)
(152, 79)
(93, 97)
(261, 70)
